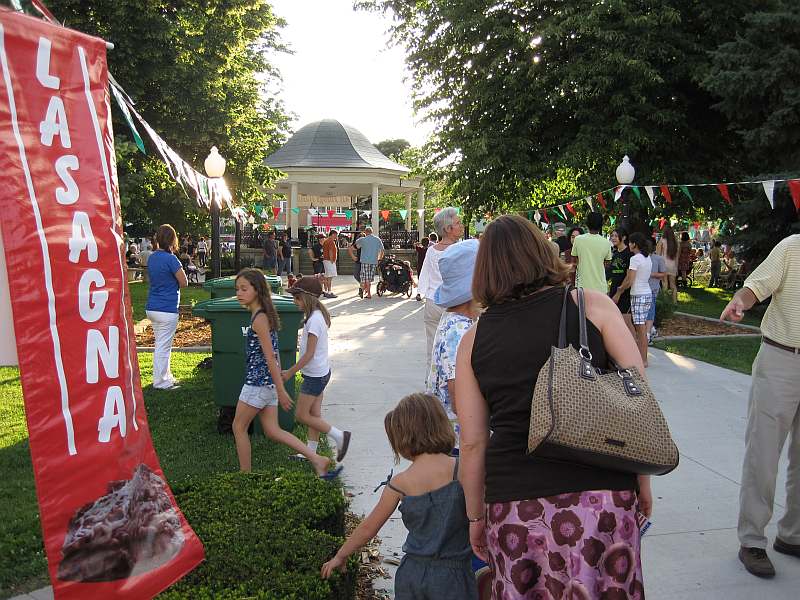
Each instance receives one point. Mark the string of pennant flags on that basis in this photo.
(662, 194)
(204, 190)
(207, 190)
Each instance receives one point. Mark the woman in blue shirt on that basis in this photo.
(166, 278)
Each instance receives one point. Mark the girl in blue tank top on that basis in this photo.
(263, 388)
(437, 561)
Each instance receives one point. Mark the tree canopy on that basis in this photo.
(201, 75)
(534, 98)
(393, 148)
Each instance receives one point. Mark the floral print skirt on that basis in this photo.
(578, 546)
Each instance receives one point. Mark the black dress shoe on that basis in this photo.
(756, 561)
(786, 547)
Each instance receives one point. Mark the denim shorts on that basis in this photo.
(314, 386)
(651, 314)
(259, 396)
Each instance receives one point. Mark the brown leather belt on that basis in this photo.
(781, 346)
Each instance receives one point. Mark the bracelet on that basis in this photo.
(475, 520)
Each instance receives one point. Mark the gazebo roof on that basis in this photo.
(332, 145)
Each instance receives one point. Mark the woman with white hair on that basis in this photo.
(449, 228)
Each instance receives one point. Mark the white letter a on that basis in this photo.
(113, 415)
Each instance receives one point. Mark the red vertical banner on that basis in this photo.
(111, 526)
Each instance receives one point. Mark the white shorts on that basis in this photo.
(330, 268)
(259, 396)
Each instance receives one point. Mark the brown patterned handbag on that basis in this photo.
(609, 419)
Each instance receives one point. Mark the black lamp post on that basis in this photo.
(625, 174)
(215, 169)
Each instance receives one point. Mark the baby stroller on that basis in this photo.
(395, 277)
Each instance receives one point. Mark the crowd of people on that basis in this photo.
(474, 499)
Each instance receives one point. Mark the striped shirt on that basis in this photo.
(779, 276)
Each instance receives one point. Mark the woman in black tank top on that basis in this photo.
(542, 524)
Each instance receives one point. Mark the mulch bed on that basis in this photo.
(192, 331)
(680, 325)
(370, 567)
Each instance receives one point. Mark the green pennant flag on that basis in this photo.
(530, 215)
(685, 190)
(562, 213)
(637, 192)
(612, 219)
(458, 210)
(296, 210)
(403, 213)
(348, 213)
(128, 119)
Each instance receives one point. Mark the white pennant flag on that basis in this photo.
(618, 192)
(769, 190)
(651, 194)
(368, 213)
(420, 211)
(537, 217)
(589, 201)
(313, 212)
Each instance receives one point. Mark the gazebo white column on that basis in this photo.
(292, 206)
(376, 215)
(408, 211)
(421, 211)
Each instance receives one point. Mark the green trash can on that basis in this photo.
(229, 324)
(224, 287)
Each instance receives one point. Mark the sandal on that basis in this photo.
(331, 475)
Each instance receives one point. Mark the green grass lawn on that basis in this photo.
(183, 426)
(138, 289)
(711, 302)
(731, 352)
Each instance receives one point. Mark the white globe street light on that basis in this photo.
(625, 172)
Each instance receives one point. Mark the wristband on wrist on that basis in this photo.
(475, 520)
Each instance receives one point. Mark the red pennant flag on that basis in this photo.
(276, 210)
(331, 213)
(723, 189)
(436, 211)
(570, 208)
(601, 200)
(794, 188)
(385, 214)
(661, 222)
(544, 215)
(696, 224)
(666, 194)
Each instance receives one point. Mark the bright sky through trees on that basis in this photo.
(342, 68)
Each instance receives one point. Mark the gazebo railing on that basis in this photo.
(399, 238)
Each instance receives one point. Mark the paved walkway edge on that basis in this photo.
(714, 320)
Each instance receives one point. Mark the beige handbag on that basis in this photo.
(608, 419)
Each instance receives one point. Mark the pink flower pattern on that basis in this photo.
(576, 546)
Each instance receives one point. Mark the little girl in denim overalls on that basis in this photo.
(436, 565)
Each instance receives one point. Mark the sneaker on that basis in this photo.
(786, 547)
(418, 298)
(332, 295)
(756, 561)
(342, 450)
(360, 292)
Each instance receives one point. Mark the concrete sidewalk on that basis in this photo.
(377, 350)
(378, 355)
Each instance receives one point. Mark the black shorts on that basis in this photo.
(624, 303)
(318, 267)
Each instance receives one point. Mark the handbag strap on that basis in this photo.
(586, 354)
(562, 328)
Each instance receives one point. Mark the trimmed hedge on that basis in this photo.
(266, 536)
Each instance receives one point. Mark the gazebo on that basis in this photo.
(328, 161)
